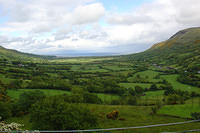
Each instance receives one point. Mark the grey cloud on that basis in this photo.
(47, 15)
(128, 19)
(73, 24)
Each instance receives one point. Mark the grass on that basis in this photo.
(16, 93)
(132, 85)
(80, 60)
(177, 85)
(116, 68)
(148, 75)
(154, 93)
(133, 116)
(151, 97)
(107, 97)
(87, 68)
(183, 111)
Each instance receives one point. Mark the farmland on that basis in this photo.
(91, 75)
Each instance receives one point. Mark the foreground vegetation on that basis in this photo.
(101, 92)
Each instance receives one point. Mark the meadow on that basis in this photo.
(177, 85)
(132, 115)
(91, 74)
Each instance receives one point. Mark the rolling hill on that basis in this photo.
(16, 55)
(182, 49)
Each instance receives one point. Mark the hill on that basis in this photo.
(182, 49)
(16, 55)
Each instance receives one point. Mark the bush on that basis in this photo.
(155, 108)
(5, 110)
(91, 98)
(3, 94)
(195, 115)
(132, 100)
(115, 102)
(153, 87)
(55, 114)
(28, 98)
(80, 96)
(174, 99)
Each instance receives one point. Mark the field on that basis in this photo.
(177, 85)
(132, 115)
(148, 75)
(184, 111)
(16, 93)
(92, 74)
(132, 85)
(80, 60)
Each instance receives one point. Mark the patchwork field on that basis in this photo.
(177, 85)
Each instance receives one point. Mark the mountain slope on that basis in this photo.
(182, 49)
(16, 55)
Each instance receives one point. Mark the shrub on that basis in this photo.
(91, 98)
(155, 108)
(115, 102)
(132, 100)
(55, 114)
(174, 99)
(5, 110)
(195, 115)
(153, 87)
(3, 94)
(28, 98)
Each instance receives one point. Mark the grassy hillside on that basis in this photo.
(182, 49)
(16, 55)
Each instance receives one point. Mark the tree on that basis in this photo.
(153, 87)
(3, 93)
(91, 98)
(5, 111)
(174, 99)
(55, 114)
(195, 115)
(15, 84)
(139, 90)
(27, 98)
(132, 100)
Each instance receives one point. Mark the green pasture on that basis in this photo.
(183, 111)
(80, 60)
(148, 75)
(177, 85)
(131, 115)
(16, 93)
(132, 85)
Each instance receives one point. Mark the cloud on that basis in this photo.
(87, 13)
(44, 16)
(47, 26)
(187, 12)
(152, 22)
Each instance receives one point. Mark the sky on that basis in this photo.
(64, 27)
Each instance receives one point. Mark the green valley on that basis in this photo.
(160, 85)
